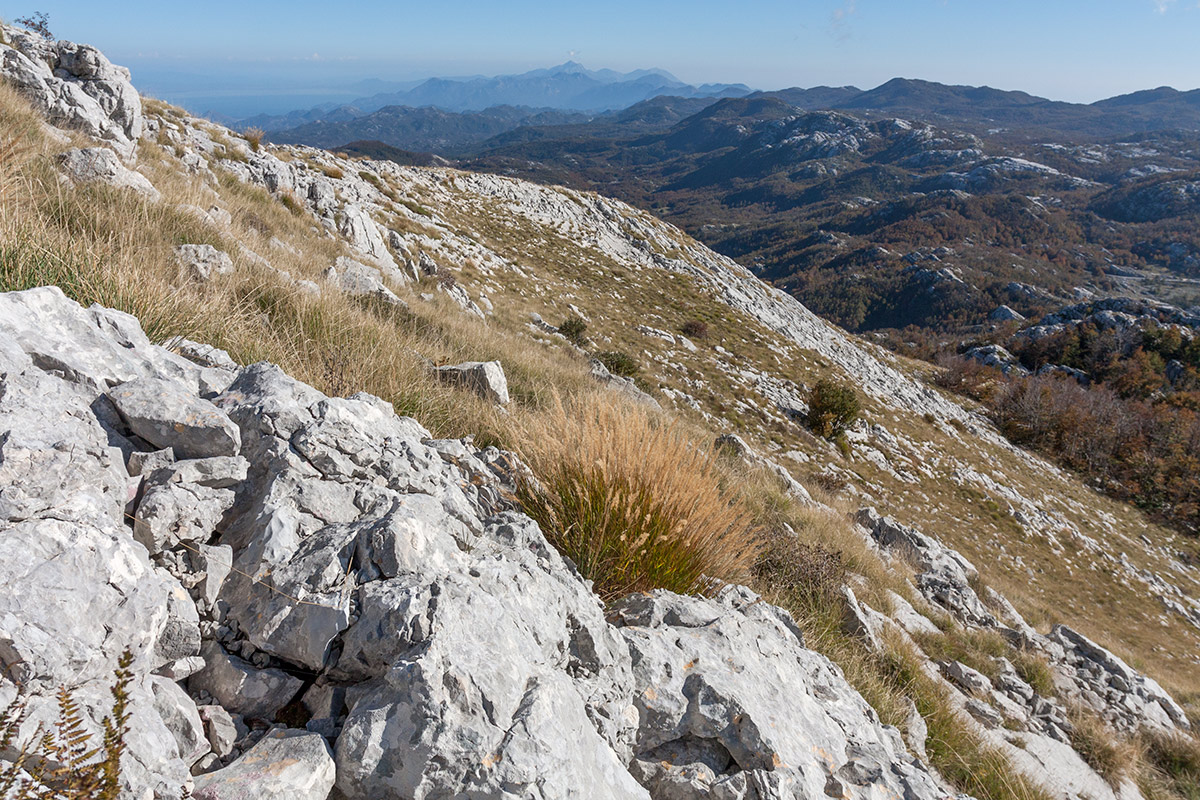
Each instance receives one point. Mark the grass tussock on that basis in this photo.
(633, 500)
(1111, 755)
(1169, 766)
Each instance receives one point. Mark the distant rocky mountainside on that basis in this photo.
(890, 223)
(298, 488)
(423, 129)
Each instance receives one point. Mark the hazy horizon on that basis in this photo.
(273, 57)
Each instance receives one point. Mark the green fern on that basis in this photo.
(63, 763)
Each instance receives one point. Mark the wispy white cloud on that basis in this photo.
(1162, 6)
(840, 18)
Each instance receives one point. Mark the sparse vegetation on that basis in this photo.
(67, 763)
(832, 408)
(255, 137)
(695, 329)
(1169, 766)
(416, 208)
(1100, 746)
(38, 22)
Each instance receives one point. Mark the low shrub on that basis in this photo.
(695, 329)
(832, 408)
(573, 327)
(619, 363)
(810, 574)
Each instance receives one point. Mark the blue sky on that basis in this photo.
(1064, 49)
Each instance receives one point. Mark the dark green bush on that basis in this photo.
(619, 363)
(695, 329)
(573, 328)
(832, 407)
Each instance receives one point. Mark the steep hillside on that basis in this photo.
(323, 588)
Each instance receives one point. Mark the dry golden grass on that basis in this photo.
(634, 501)
(1112, 756)
(1168, 766)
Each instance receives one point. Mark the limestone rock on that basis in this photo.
(165, 415)
(75, 86)
(182, 719)
(202, 261)
(355, 278)
(242, 688)
(619, 383)
(101, 165)
(731, 702)
(218, 729)
(1125, 697)
(484, 378)
(286, 764)
(186, 501)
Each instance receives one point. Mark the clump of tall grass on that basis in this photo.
(1169, 766)
(633, 500)
(1112, 756)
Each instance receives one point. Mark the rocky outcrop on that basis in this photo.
(484, 378)
(202, 261)
(355, 278)
(721, 720)
(74, 86)
(270, 553)
(101, 165)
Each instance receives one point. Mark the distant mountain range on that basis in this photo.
(567, 87)
(438, 114)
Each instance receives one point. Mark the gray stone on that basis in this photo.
(182, 719)
(177, 511)
(240, 687)
(727, 686)
(284, 764)
(101, 165)
(202, 261)
(144, 463)
(484, 378)
(166, 415)
(74, 86)
(1126, 698)
(1003, 313)
(93, 348)
(355, 278)
(182, 668)
(971, 680)
(218, 729)
(203, 355)
(619, 383)
(216, 562)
